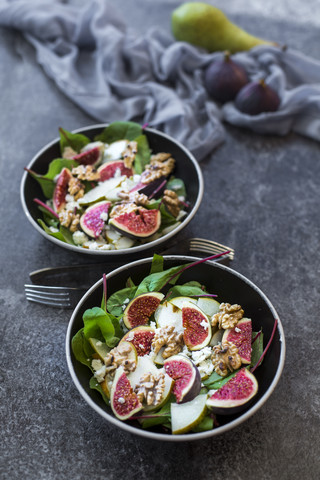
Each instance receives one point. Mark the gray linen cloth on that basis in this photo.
(112, 73)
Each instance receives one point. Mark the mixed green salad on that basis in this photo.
(169, 355)
(111, 193)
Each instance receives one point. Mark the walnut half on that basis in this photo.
(169, 338)
(225, 358)
(228, 316)
(150, 388)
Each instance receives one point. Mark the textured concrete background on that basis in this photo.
(263, 196)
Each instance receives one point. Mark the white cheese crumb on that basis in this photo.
(204, 324)
(237, 329)
(79, 238)
(53, 229)
(153, 324)
(121, 400)
(104, 216)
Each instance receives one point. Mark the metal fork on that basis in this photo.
(209, 246)
(60, 297)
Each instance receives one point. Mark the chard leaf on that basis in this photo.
(214, 377)
(46, 181)
(98, 324)
(206, 424)
(155, 281)
(94, 385)
(177, 185)
(74, 140)
(158, 418)
(142, 157)
(81, 347)
(119, 131)
(257, 348)
(218, 384)
(116, 301)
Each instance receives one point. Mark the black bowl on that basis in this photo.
(231, 287)
(186, 168)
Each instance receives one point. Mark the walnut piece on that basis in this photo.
(69, 219)
(75, 188)
(129, 154)
(225, 358)
(171, 201)
(158, 168)
(170, 338)
(135, 197)
(150, 388)
(122, 208)
(86, 172)
(228, 316)
(120, 355)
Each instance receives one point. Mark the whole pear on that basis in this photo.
(208, 27)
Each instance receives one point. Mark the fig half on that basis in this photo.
(61, 190)
(123, 400)
(141, 337)
(139, 223)
(241, 336)
(108, 170)
(186, 376)
(94, 218)
(140, 309)
(197, 327)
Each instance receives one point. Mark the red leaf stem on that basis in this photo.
(44, 205)
(267, 347)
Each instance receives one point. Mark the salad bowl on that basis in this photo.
(186, 171)
(228, 286)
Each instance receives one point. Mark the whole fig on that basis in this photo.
(224, 78)
(257, 97)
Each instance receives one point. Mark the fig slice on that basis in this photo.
(61, 189)
(186, 416)
(139, 223)
(108, 170)
(144, 366)
(234, 395)
(241, 337)
(186, 376)
(141, 337)
(140, 309)
(89, 157)
(123, 400)
(94, 218)
(197, 327)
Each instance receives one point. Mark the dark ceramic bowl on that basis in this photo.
(230, 287)
(186, 168)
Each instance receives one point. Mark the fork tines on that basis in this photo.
(209, 246)
(52, 296)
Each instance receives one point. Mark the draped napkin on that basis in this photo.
(113, 73)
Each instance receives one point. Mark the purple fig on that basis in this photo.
(94, 218)
(224, 79)
(61, 190)
(240, 336)
(140, 309)
(123, 400)
(141, 337)
(186, 375)
(257, 97)
(108, 170)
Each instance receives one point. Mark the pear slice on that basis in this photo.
(169, 314)
(178, 301)
(99, 347)
(208, 305)
(185, 416)
(101, 191)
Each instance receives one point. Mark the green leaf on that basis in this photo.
(166, 218)
(119, 131)
(206, 424)
(186, 290)
(159, 418)
(155, 281)
(257, 348)
(46, 181)
(142, 157)
(63, 234)
(177, 185)
(98, 324)
(80, 347)
(94, 385)
(74, 140)
(157, 264)
(218, 384)
(116, 301)
(214, 377)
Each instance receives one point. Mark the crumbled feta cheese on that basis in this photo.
(100, 374)
(204, 324)
(237, 329)
(199, 356)
(121, 400)
(153, 324)
(79, 237)
(205, 368)
(54, 229)
(104, 216)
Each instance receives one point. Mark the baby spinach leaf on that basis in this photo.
(204, 425)
(76, 141)
(160, 417)
(49, 218)
(98, 324)
(94, 385)
(177, 185)
(119, 131)
(157, 264)
(116, 301)
(142, 157)
(214, 377)
(218, 384)
(81, 347)
(46, 181)
(63, 234)
(186, 290)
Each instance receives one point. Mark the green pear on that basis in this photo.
(208, 27)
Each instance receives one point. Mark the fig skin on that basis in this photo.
(257, 97)
(224, 78)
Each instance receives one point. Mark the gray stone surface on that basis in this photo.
(262, 198)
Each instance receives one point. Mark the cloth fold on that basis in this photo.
(112, 73)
